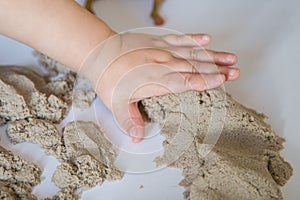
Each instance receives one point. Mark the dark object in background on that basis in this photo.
(158, 20)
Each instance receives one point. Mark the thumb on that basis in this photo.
(130, 118)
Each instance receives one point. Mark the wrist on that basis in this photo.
(98, 60)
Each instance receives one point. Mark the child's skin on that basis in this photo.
(68, 33)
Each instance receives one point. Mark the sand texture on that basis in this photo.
(32, 104)
(226, 150)
(17, 176)
(243, 164)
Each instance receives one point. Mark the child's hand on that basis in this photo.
(130, 67)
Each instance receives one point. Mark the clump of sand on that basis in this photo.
(25, 94)
(86, 156)
(32, 105)
(17, 177)
(52, 66)
(243, 164)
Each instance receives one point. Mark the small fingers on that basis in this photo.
(230, 73)
(234, 75)
(178, 83)
(188, 40)
(219, 58)
(181, 82)
(180, 65)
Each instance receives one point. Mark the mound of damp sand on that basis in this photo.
(26, 90)
(38, 131)
(243, 164)
(89, 157)
(32, 104)
(86, 156)
(25, 93)
(12, 105)
(52, 66)
(17, 177)
(82, 98)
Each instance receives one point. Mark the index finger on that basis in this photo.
(187, 40)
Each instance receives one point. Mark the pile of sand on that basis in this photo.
(32, 104)
(243, 164)
(25, 93)
(17, 177)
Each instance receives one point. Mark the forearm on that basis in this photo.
(62, 29)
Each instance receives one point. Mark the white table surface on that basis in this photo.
(264, 35)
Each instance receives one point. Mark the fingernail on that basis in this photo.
(232, 73)
(136, 140)
(230, 58)
(204, 38)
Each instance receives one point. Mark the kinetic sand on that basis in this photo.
(244, 164)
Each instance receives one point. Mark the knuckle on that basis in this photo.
(180, 38)
(188, 81)
(194, 67)
(200, 84)
(193, 54)
(211, 55)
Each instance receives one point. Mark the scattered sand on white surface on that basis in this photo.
(244, 164)
(30, 88)
(32, 104)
